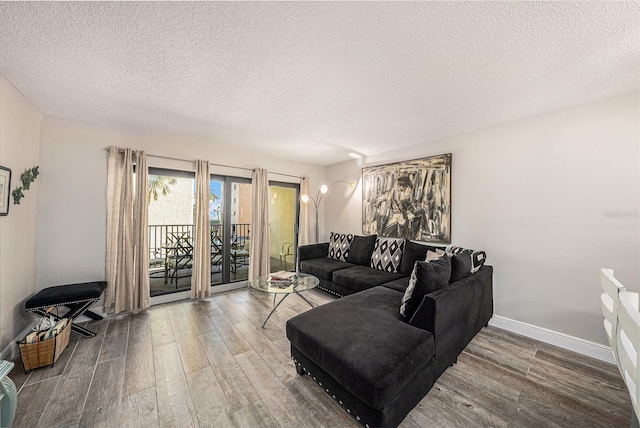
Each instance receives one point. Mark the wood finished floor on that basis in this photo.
(208, 363)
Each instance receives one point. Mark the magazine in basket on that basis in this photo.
(43, 348)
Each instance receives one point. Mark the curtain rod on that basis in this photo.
(217, 164)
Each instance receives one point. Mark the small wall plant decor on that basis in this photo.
(28, 177)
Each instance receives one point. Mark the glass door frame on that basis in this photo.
(296, 214)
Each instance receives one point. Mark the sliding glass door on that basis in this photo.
(171, 207)
(171, 213)
(230, 213)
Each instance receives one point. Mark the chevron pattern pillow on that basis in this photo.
(339, 245)
(387, 254)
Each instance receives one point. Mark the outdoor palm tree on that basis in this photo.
(160, 185)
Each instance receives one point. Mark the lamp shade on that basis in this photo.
(304, 198)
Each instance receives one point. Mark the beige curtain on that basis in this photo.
(201, 279)
(127, 269)
(259, 248)
(304, 230)
(140, 293)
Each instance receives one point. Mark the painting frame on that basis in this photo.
(409, 199)
(5, 190)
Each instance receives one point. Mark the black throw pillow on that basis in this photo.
(460, 266)
(426, 278)
(412, 253)
(461, 262)
(361, 249)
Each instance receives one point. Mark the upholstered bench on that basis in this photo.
(360, 351)
(78, 298)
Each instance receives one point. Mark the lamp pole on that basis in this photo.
(316, 202)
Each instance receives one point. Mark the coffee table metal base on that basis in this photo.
(282, 300)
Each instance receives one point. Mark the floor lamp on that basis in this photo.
(316, 202)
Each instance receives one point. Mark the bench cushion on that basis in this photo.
(61, 294)
(362, 343)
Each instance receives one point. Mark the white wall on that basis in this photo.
(20, 124)
(71, 227)
(551, 198)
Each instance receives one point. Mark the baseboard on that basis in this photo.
(571, 343)
(11, 351)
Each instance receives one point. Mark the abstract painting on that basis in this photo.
(410, 199)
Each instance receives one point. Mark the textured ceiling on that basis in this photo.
(316, 82)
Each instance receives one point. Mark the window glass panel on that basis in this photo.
(240, 233)
(283, 205)
(216, 219)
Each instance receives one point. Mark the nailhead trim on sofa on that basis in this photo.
(328, 392)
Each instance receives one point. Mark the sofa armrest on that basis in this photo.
(313, 251)
(454, 314)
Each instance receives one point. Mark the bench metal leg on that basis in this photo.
(93, 315)
(87, 334)
(75, 310)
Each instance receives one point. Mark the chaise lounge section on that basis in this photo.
(376, 363)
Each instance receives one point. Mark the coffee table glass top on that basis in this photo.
(295, 284)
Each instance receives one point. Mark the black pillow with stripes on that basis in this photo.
(477, 257)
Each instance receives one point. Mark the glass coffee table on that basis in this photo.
(294, 285)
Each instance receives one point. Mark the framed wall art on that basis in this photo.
(5, 185)
(410, 199)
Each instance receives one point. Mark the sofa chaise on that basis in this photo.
(377, 363)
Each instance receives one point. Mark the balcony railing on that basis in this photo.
(170, 254)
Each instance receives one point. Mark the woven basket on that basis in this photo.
(45, 352)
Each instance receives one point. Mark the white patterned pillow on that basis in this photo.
(477, 257)
(339, 246)
(387, 254)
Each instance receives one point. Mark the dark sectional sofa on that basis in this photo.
(354, 275)
(374, 362)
